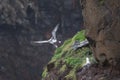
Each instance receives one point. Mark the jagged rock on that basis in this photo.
(102, 21)
(66, 61)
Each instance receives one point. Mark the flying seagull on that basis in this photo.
(52, 40)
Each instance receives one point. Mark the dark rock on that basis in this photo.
(102, 21)
(23, 21)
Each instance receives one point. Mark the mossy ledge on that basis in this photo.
(66, 61)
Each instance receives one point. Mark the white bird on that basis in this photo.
(87, 63)
(53, 38)
(87, 60)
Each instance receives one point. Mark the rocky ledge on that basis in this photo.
(102, 22)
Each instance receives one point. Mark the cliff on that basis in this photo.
(67, 61)
(102, 21)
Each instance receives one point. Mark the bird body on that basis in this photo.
(87, 63)
(53, 38)
(87, 60)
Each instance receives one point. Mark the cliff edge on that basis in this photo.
(102, 21)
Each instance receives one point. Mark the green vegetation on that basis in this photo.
(44, 74)
(101, 2)
(79, 36)
(67, 60)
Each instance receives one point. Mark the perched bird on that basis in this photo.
(87, 61)
(78, 44)
(87, 64)
(52, 40)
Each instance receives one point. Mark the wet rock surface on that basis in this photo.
(23, 21)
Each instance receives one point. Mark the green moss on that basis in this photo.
(66, 43)
(65, 58)
(44, 74)
(76, 59)
(71, 61)
(71, 75)
(80, 36)
(62, 50)
(63, 68)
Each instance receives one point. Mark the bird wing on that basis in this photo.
(54, 31)
(46, 41)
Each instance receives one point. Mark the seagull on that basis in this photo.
(78, 44)
(52, 40)
(87, 63)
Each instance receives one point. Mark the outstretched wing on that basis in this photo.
(54, 31)
(46, 41)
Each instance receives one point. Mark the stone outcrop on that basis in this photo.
(102, 22)
(67, 61)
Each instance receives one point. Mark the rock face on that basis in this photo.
(22, 21)
(102, 22)
(67, 61)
